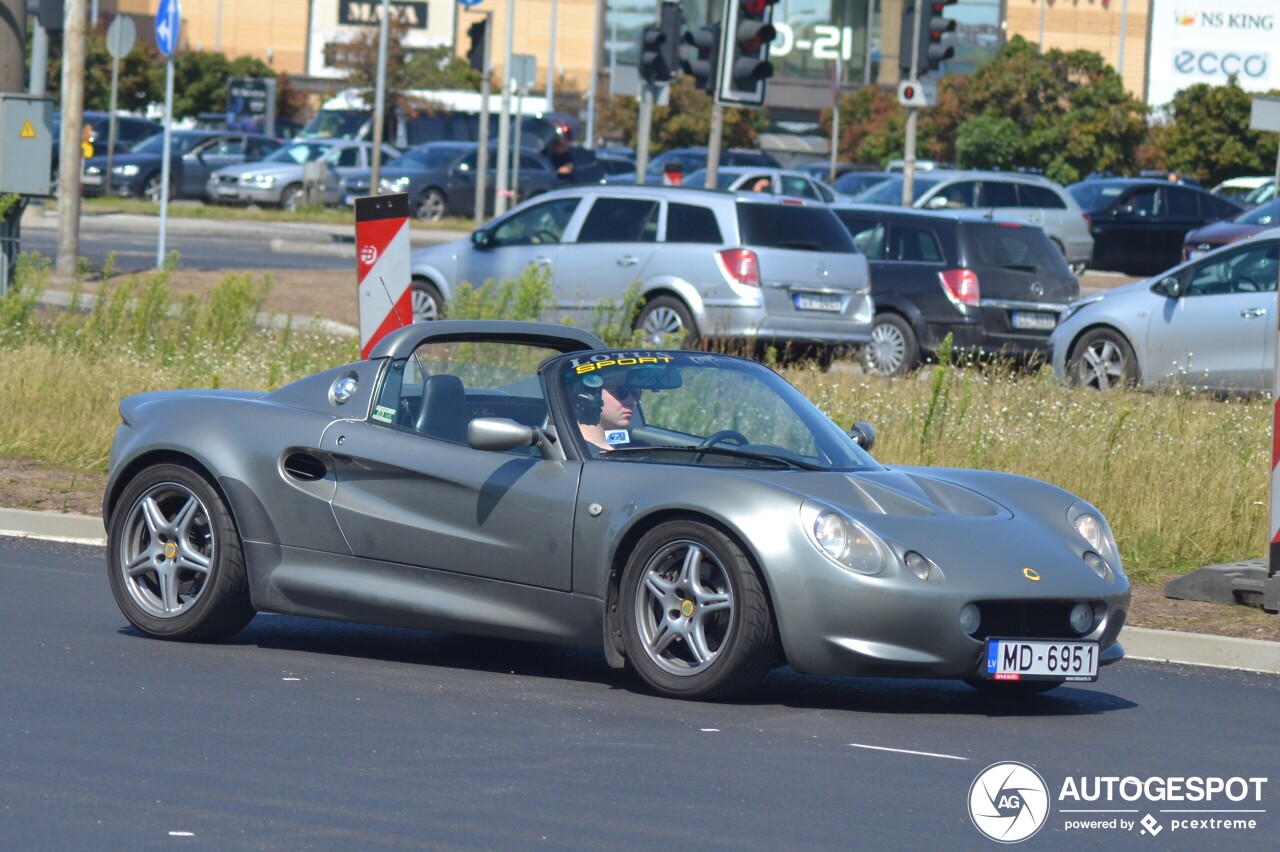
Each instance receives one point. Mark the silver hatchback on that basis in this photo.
(710, 264)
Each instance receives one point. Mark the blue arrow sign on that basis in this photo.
(470, 3)
(168, 19)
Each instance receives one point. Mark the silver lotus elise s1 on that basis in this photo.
(690, 513)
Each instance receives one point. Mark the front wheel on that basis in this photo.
(696, 620)
(892, 350)
(665, 318)
(153, 188)
(1102, 360)
(428, 303)
(293, 197)
(174, 558)
(431, 206)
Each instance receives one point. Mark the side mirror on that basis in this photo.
(1171, 286)
(863, 435)
(481, 239)
(1122, 210)
(936, 203)
(501, 434)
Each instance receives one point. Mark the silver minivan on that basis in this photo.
(710, 264)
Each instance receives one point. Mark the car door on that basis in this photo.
(528, 235)
(607, 252)
(1123, 235)
(1181, 213)
(426, 500)
(1220, 332)
(207, 158)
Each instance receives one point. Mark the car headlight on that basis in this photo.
(399, 184)
(843, 540)
(1095, 530)
(128, 170)
(263, 181)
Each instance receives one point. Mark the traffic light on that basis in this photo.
(660, 46)
(478, 33)
(651, 65)
(702, 58)
(48, 13)
(931, 52)
(748, 32)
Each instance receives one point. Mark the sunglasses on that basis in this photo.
(623, 392)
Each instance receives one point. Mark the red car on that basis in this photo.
(1246, 224)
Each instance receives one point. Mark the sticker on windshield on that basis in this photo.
(614, 437)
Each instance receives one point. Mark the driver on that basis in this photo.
(604, 406)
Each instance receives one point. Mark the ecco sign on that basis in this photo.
(1212, 63)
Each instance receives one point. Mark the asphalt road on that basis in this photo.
(309, 734)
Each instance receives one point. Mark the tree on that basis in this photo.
(1208, 136)
(684, 123)
(141, 80)
(871, 115)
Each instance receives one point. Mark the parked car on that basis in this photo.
(279, 179)
(852, 183)
(1206, 323)
(1238, 189)
(440, 178)
(780, 182)
(130, 130)
(193, 156)
(689, 160)
(994, 285)
(1242, 225)
(615, 164)
(1028, 197)
(1139, 224)
(445, 482)
(821, 169)
(710, 264)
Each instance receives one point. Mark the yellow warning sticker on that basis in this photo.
(28, 130)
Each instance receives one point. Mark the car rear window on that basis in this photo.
(692, 223)
(1030, 195)
(790, 226)
(1005, 245)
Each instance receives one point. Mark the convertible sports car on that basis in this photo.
(691, 513)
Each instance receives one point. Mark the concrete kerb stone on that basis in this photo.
(1166, 646)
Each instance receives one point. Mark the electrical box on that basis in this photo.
(26, 144)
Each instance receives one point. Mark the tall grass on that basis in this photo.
(1182, 477)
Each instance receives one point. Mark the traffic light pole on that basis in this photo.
(913, 116)
(482, 153)
(713, 144)
(643, 130)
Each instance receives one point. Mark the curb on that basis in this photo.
(1140, 643)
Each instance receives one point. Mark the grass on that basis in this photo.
(1184, 478)
(315, 214)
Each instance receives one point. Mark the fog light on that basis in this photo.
(1097, 563)
(917, 563)
(970, 618)
(1082, 618)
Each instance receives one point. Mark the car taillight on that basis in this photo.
(961, 285)
(739, 265)
(1088, 222)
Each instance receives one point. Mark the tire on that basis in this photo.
(428, 304)
(1102, 360)
(431, 206)
(1013, 688)
(893, 349)
(665, 318)
(292, 197)
(174, 558)
(152, 188)
(696, 622)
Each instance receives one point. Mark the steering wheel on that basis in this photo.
(724, 435)
(545, 237)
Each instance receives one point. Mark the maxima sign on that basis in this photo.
(1208, 41)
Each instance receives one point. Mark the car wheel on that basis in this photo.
(174, 558)
(292, 197)
(431, 206)
(666, 318)
(152, 188)
(696, 620)
(893, 349)
(428, 304)
(1102, 360)
(1013, 688)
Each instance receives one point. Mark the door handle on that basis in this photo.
(542, 260)
(1253, 313)
(628, 260)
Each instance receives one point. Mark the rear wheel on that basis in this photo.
(892, 350)
(428, 303)
(665, 318)
(431, 206)
(696, 621)
(292, 197)
(1102, 360)
(174, 558)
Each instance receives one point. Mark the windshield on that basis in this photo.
(299, 152)
(889, 191)
(427, 157)
(699, 178)
(697, 408)
(1265, 215)
(180, 143)
(336, 124)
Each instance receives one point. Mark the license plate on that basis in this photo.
(91, 180)
(226, 192)
(1041, 659)
(1034, 321)
(830, 302)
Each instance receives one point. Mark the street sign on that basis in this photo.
(524, 70)
(470, 3)
(120, 36)
(168, 20)
(1264, 113)
(916, 93)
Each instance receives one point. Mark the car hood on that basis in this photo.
(902, 493)
(1222, 232)
(278, 169)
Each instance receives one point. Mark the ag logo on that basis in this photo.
(368, 254)
(1008, 802)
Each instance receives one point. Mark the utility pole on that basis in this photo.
(379, 107)
(504, 120)
(71, 157)
(13, 45)
(913, 117)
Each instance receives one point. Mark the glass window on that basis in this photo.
(960, 194)
(692, 223)
(909, 243)
(621, 220)
(1250, 270)
(1145, 203)
(799, 187)
(1182, 202)
(998, 193)
(1010, 246)
(867, 233)
(543, 223)
(531, 163)
(790, 226)
(1030, 195)
(345, 157)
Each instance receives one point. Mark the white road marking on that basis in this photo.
(909, 751)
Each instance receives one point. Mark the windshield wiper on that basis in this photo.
(732, 452)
